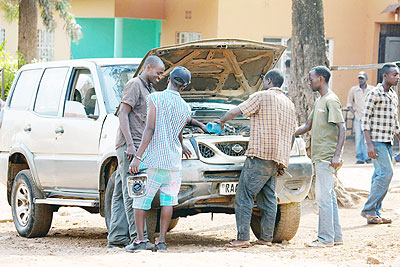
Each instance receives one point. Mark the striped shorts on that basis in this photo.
(168, 182)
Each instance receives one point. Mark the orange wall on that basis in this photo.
(204, 19)
(141, 9)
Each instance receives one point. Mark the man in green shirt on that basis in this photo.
(327, 138)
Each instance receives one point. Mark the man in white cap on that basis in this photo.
(355, 103)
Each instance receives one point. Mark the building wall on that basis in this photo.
(204, 19)
(93, 8)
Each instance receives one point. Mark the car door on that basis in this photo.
(41, 123)
(77, 143)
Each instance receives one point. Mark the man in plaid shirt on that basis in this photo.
(379, 124)
(272, 125)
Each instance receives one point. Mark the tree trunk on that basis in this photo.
(27, 30)
(309, 50)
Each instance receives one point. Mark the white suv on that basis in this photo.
(58, 129)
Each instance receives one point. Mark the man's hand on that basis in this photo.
(203, 128)
(134, 166)
(220, 122)
(335, 162)
(186, 151)
(130, 152)
(281, 171)
(371, 150)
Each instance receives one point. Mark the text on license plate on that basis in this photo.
(228, 188)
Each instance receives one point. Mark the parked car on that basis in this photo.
(58, 130)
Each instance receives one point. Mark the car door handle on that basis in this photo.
(59, 130)
(28, 128)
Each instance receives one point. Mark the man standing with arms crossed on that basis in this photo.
(355, 103)
(161, 151)
(272, 125)
(327, 138)
(379, 123)
(132, 118)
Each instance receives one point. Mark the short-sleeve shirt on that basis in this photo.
(272, 125)
(356, 99)
(327, 111)
(135, 95)
(380, 116)
(165, 150)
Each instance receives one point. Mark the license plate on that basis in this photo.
(228, 188)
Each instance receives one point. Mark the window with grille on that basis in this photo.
(46, 45)
(184, 37)
(2, 36)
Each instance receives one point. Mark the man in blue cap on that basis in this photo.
(161, 152)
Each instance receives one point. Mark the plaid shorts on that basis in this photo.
(169, 183)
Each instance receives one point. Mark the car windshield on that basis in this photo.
(115, 77)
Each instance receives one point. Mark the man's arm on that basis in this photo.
(146, 138)
(124, 126)
(185, 150)
(304, 128)
(341, 136)
(350, 101)
(371, 150)
(229, 116)
(197, 123)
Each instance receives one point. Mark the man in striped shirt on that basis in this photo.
(161, 149)
(379, 124)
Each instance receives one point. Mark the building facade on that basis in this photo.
(357, 31)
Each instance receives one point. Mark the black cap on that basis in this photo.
(180, 75)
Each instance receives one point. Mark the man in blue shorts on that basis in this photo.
(161, 152)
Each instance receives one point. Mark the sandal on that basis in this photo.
(262, 242)
(238, 244)
(386, 220)
(373, 219)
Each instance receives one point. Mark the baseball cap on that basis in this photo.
(180, 75)
(362, 74)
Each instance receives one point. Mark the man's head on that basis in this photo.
(362, 78)
(179, 78)
(273, 78)
(390, 73)
(153, 68)
(318, 77)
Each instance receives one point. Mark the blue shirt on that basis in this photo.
(165, 149)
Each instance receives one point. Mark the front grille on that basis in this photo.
(205, 151)
(222, 175)
(235, 149)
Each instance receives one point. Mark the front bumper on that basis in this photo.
(200, 185)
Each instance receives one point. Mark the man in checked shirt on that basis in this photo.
(272, 125)
(379, 124)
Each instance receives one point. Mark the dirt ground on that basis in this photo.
(79, 238)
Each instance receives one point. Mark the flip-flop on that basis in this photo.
(386, 220)
(263, 243)
(373, 219)
(240, 245)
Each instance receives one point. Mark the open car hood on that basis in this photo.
(222, 69)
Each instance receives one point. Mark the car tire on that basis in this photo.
(151, 220)
(286, 223)
(108, 199)
(30, 219)
(172, 223)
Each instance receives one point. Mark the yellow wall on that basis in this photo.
(204, 19)
(93, 8)
(11, 35)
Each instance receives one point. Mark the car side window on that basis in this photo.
(50, 89)
(24, 89)
(82, 100)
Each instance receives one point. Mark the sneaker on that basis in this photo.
(360, 162)
(338, 243)
(136, 246)
(368, 161)
(161, 246)
(317, 244)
